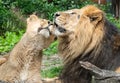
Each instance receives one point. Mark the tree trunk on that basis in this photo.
(101, 75)
(116, 8)
(100, 1)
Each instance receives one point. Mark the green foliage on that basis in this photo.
(52, 49)
(9, 19)
(45, 8)
(9, 40)
(113, 20)
(52, 72)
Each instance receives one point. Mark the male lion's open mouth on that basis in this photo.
(59, 28)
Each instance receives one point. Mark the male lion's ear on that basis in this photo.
(32, 18)
(96, 16)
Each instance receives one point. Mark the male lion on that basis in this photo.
(24, 61)
(86, 35)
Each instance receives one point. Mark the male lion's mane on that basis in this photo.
(103, 50)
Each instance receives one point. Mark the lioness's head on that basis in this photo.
(41, 28)
(83, 27)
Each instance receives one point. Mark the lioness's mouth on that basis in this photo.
(60, 29)
(47, 28)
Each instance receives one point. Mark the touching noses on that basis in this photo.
(56, 14)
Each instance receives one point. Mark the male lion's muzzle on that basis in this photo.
(59, 28)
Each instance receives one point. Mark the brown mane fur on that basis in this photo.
(24, 61)
(93, 39)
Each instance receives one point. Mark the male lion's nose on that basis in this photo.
(62, 30)
(56, 14)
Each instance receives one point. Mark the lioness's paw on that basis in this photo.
(2, 60)
(45, 32)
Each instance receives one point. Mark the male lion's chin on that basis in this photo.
(60, 32)
(60, 28)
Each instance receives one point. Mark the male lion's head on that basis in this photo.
(83, 27)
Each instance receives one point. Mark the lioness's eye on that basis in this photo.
(49, 22)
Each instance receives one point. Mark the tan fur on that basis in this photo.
(117, 70)
(2, 60)
(24, 61)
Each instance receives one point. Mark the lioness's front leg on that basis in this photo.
(51, 80)
(3, 59)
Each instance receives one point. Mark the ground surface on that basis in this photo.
(51, 61)
(51, 66)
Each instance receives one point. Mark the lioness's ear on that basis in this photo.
(96, 16)
(32, 18)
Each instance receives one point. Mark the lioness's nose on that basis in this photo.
(56, 14)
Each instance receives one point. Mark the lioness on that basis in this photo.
(24, 61)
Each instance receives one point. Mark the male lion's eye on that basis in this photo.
(73, 13)
(78, 16)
